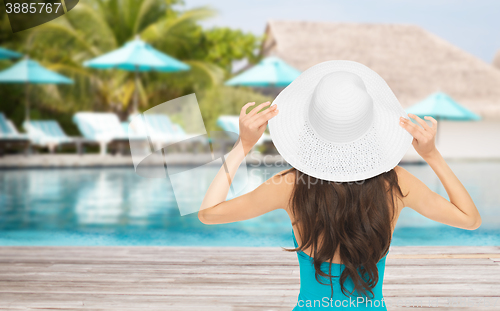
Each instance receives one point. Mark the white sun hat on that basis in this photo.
(338, 121)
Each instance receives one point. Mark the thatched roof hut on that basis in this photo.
(413, 61)
(496, 60)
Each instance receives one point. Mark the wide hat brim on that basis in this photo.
(378, 150)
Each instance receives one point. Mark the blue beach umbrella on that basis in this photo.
(137, 56)
(271, 71)
(8, 54)
(440, 106)
(28, 71)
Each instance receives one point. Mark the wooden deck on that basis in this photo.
(239, 279)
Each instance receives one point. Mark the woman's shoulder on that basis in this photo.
(400, 172)
(404, 177)
(288, 172)
(285, 178)
(409, 184)
(280, 186)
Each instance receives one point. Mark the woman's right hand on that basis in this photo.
(424, 138)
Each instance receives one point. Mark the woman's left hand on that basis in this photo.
(424, 138)
(253, 124)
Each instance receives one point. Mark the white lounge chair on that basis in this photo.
(102, 127)
(48, 133)
(161, 130)
(10, 137)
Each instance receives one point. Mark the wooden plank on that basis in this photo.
(432, 256)
(213, 251)
(128, 302)
(191, 278)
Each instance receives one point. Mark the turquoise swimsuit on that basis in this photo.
(316, 296)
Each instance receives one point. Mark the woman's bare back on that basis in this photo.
(398, 206)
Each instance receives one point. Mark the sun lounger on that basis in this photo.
(103, 128)
(125, 126)
(161, 130)
(48, 133)
(10, 137)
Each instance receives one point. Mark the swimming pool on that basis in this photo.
(114, 206)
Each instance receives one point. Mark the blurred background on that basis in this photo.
(70, 88)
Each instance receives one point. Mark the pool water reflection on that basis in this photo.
(114, 206)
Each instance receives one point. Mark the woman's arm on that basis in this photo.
(460, 211)
(215, 209)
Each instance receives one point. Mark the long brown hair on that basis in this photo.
(354, 217)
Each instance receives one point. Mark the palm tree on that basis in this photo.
(95, 27)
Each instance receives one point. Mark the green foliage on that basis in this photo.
(223, 45)
(221, 100)
(95, 27)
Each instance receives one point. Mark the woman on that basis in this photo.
(343, 131)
